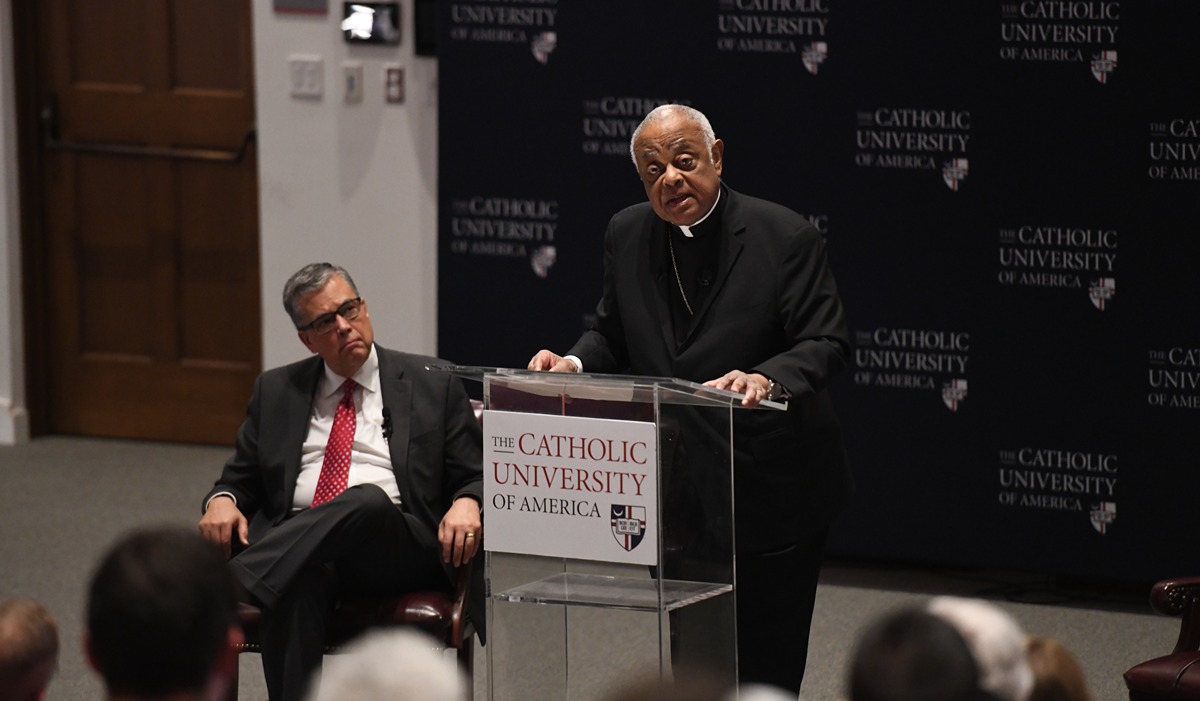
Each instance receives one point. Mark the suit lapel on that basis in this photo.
(298, 410)
(652, 264)
(729, 249)
(397, 398)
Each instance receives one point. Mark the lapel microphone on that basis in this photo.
(387, 424)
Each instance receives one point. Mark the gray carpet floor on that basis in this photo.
(64, 500)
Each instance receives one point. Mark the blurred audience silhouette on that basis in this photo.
(28, 649)
(912, 655)
(1057, 675)
(391, 665)
(162, 617)
(996, 641)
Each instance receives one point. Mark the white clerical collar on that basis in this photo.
(367, 376)
(687, 230)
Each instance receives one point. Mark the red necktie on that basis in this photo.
(335, 468)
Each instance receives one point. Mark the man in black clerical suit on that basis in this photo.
(362, 472)
(709, 285)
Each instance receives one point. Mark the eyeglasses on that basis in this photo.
(325, 323)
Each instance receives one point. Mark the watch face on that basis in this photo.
(775, 391)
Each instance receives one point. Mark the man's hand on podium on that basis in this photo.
(546, 360)
(755, 386)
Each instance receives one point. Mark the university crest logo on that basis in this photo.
(1103, 63)
(954, 172)
(954, 392)
(1102, 515)
(542, 259)
(814, 55)
(628, 525)
(543, 45)
(1101, 291)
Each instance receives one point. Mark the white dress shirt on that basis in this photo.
(370, 457)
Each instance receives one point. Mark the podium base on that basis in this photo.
(604, 591)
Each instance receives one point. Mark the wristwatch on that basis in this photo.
(775, 391)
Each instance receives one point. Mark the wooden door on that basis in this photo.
(149, 218)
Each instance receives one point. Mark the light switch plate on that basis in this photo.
(393, 83)
(352, 76)
(306, 75)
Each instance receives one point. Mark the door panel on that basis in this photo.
(150, 215)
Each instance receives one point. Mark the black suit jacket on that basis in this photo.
(436, 444)
(773, 309)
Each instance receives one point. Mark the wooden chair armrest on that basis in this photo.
(459, 624)
(1180, 597)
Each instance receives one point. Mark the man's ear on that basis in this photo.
(718, 155)
(303, 336)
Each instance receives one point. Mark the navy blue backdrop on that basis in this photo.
(985, 173)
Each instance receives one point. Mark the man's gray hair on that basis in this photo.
(28, 638)
(398, 664)
(996, 641)
(307, 280)
(661, 112)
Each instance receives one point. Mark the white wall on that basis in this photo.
(354, 184)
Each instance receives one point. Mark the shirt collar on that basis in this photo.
(687, 230)
(367, 376)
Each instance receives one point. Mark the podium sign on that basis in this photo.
(567, 486)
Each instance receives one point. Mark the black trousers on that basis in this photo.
(775, 597)
(774, 600)
(357, 543)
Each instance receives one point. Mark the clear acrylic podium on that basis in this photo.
(572, 628)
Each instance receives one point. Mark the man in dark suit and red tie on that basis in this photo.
(361, 470)
(706, 284)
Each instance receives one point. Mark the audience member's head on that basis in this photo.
(761, 692)
(391, 665)
(28, 649)
(997, 642)
(912, 655)
(1057, 675)
(162, 616)
(690, 685)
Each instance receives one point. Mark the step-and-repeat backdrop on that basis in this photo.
(1010, 191)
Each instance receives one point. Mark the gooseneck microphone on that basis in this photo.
(387, 424)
